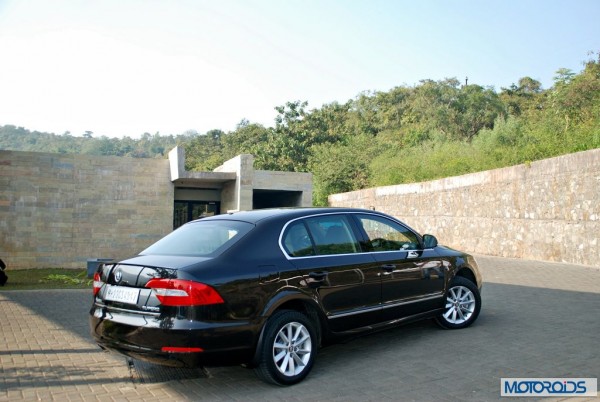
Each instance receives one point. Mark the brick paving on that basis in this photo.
(538, 320)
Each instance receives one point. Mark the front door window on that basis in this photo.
(412, 279)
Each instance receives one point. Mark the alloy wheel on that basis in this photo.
(292, 349)
(460, 305)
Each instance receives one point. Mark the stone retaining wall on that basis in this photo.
(547, 210)
(59, 210)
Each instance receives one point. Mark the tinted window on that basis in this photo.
(332, 234)
(296, 240)
(386, 235)
(320, 235)
(201, 238)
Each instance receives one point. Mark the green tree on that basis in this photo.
(204, 152)
(474, 109)
(341, 167)
(576, 97)
(287, 146)
(522, 98)
(247, 138)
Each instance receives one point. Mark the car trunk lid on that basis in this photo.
(126, 285)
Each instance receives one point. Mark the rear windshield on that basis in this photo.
(202, 238)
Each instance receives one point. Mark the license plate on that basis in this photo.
(122, 294)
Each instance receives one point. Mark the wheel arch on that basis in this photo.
(467, 267)
(293, 301)
(467, 273)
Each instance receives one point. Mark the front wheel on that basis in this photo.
(288, 349)
(463, 303)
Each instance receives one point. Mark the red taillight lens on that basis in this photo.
(179, 292)
(177, 349)
(97, 283)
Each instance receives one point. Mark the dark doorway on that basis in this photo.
(186, 211)
(274, 199)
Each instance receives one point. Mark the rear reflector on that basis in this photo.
(97, 283)
(179, 292)
(175, 349)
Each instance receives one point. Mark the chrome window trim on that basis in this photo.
(288, 223)
(289, 257)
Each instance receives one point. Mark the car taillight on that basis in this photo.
(179, 292)
(178, 349)
(97, 283)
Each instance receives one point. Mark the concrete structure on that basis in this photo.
(547, 210)
(58, 210)
(240, 187)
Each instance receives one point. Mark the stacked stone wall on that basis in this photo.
(547, 210)
(60, 210)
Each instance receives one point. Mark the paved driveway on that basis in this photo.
(538, 320)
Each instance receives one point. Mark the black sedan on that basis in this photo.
(266, 288)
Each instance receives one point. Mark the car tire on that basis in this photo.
(462, 306)
(288, 348)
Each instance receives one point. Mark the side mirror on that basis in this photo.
(429, 241)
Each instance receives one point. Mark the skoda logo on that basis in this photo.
(118, 276)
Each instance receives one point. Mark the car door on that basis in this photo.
(412, 278)
(344, 279)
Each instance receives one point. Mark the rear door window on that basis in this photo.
(320, 235)
(296, 240)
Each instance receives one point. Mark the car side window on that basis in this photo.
(296, 240)
(332, 234)
(387, 235)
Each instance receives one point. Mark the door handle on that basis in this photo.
(317, 279)
(318, 276)
(412, 254)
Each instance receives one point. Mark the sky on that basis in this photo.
(125, 67)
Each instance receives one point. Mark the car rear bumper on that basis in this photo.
(154, 339)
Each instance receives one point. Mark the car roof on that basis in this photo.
(257, 215)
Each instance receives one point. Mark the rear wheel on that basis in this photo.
(463, 303)
(288, 349)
